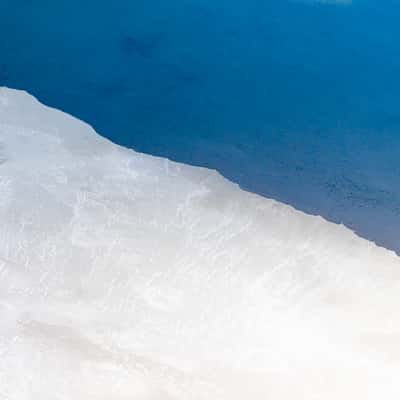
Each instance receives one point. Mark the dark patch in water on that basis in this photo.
(180, 77)
(141, 46)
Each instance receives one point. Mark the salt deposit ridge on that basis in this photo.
(125, 276)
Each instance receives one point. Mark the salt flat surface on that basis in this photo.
(126, 276)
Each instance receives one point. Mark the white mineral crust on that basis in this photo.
(125, 276)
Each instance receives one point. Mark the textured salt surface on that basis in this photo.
(125, 276)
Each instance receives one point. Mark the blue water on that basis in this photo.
(295, 100)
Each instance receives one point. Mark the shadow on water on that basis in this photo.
(294, 100)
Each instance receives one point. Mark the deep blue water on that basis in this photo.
(295, 100)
